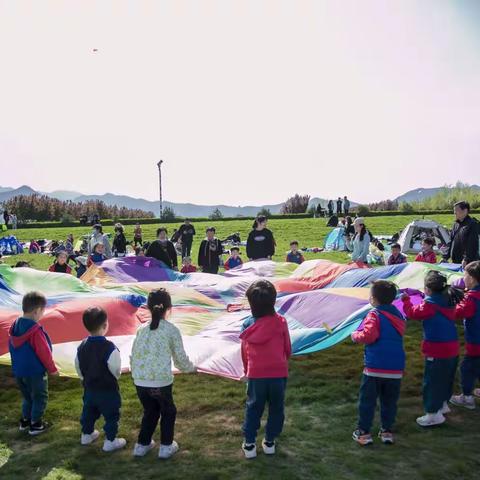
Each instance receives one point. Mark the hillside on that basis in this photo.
(424, 193)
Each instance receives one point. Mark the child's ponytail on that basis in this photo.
(159, 303)
(438, 283)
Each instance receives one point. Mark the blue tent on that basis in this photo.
(10, 246)
(336, 240)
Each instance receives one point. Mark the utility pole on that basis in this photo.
(159, 165)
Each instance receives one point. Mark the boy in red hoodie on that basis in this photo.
(382, 334)
(31, 352)
(427, 255)
(266, 349)
(469, 311)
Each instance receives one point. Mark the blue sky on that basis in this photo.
(247, 101)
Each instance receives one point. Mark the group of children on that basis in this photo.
(426, 255)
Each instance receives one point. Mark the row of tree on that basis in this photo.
(43, 208)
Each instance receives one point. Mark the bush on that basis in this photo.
(363, 210)
(264, 212)
(67, 219)
(167, 215)
(216, 215)
(406, 207)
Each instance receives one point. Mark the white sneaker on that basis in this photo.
(268, 447)
(87, 439)
(141, 450)
(445, 409)
(431, 419)
(111, 446)
(462, 400)
(250, 450)
(167, 451)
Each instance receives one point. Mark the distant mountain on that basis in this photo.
(423, 193)
(5, 189)
(13, 192)
(64, 194)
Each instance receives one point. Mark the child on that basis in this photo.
(60, 265)
(427, 254)
(137, 235)
(397, 257)
(382, 334)
(139, 252)
(440, 345)
(266, 349)
(187, 266)
(98, 365)
(119, 245)
(234, 260)
(34, 247)
(97, 255)
(155, 344)
(31, 353)
(294, 255)
(469, 310)
(209, 253)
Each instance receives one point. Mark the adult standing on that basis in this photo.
(361, 241)
(187, 231)
(463, 246)
(330, 208)
(96, 237)
(260, 242)
(346, 205)
(6, 217)
(163, 249)
(119, 245)
(339, 206)
(210, 252)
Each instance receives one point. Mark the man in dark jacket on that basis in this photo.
(463, 247)
(210, 252)
(187, 231)
(163, 249)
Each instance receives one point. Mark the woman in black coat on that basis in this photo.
(163, 250)
(260, 242)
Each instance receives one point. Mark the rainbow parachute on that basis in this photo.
(323, 302)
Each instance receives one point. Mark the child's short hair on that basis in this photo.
(473, 269)
(98, 227)
(234, 249)
(21, 264)
(94, 318)
(99, 244)
(210, 229)
(118, 227)
(384, 292)
(262, 296)
(161, 229)
(429, 241)
(33, 300)
(294, 242)
(396, 245)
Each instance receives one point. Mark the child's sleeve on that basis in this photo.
(200, 253)
(77, 367)
(193, 229)
(370, 331)
(40, 346)
(418, 258)
(51, 268)
(465, 309)
(180, 358)
(287, 341)
(114, 363)
(417, 312)
(244, 357)
(226, 266)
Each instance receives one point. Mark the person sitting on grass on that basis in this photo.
(427, 255)
(31, 353)
(98, 366)
(97, 255)
(156, 344)
(361, 241)
(234, 260)
(397, 257)
(382, 334)
(60, 265)
(294, 255)
(440, 344)
(187, 266)
(34, 247)
(265, 350)
(468, 310)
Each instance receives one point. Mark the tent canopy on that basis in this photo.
(336, 240)
(411, 238)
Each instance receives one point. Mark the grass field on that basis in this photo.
(321, 412)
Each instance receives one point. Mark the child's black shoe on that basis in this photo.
(38, 428)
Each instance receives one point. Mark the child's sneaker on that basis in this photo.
(24, 425)
(141, 450)
(112, 445)
(476, 392)
(38, 428)
(167, 451)
(268, 447)
(250, 450)
(431, 419)
(386, 437)
(462, 400)
(361, 437)
(445, 409)
(88, 438)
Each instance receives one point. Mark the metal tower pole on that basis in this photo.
(159, 164)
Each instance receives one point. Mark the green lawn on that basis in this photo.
(321, 414)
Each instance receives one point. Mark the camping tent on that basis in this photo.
(411, 238)
(336, 240)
